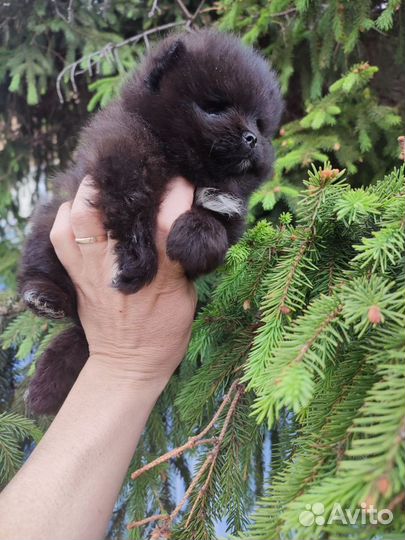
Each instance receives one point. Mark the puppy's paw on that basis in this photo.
(134, 270)
(129, 283)
(47, 300)
(198, 241)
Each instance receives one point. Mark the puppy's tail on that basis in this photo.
(57, 370)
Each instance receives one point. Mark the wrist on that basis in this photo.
(125, 369)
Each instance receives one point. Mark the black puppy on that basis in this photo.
(202, 106)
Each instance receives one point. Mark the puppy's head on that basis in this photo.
(214, 103)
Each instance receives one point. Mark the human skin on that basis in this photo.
(68, 486)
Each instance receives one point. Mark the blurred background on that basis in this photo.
(342, 70)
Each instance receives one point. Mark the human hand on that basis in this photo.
(142, 336)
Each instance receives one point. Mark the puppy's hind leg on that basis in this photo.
(57, 370)
(44, 284)
(46, 299)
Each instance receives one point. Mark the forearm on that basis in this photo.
(68, 487)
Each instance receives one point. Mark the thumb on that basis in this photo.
(177, 200)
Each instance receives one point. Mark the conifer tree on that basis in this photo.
(305, 331)
(299, 337)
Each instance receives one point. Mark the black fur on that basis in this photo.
(163, 65)
(185, 112)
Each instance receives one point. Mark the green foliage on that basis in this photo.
(318, 337)
(346, 123)
(314, 329)
(14, 430)
(328, 32)
(334, 356)
(30, 334)
(31, 66)
(321, 51)
(313, 349)
(104, 91)
(309, 312)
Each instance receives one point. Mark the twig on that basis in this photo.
(226, 399)
(69, 17)
(283, 13)
(172, 454)
(291, 275)
(70, 12)
(146, 521)
(308, 344)
(146, 41)
(11, 308)
(216, 451)
(397, 501)
(196, 13)
(183, 8)
(154, 9)
(191, 487)
(197, 440)
(209, 462)
(107, 49)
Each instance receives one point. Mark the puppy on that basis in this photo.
(202, 106)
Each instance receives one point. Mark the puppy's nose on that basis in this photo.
(249, 139)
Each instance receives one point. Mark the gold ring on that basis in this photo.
(91, 239)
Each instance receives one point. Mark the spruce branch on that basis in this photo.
(193, 442)
(296, 262)
(208, 464)
(197, 440)
(397, 501)
(110, 49)
(107, 51)
(301, 357)
(319, 331)
(146, 521)
(11, 307)
(193, 485)
(68, 18)
(215, 453)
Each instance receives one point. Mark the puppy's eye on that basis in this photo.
(260, 125)
(214, 107)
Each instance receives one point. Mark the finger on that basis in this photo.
(86, 218)
(178, 199)
(87, 221)
(63, 239)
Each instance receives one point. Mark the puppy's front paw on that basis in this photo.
(198, 241)
(47, 300)
(131, 282)
(136, 268)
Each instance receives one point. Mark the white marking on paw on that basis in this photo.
(115, 274)
(220, 202)
(34, 299)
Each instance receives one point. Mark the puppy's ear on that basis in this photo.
(163, 64)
